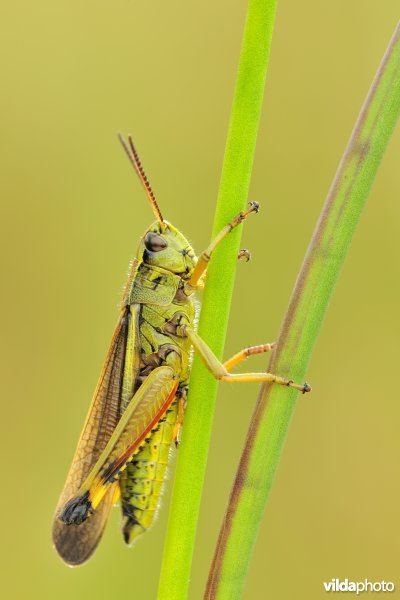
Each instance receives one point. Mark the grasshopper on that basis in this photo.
(137, 410)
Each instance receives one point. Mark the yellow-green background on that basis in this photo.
(72, 74)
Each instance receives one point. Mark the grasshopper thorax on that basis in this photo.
(164, 246)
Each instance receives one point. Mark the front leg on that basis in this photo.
(220, 371)
(205, 256)
(241, 254)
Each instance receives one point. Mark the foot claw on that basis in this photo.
(255, 206)
(306, 388)
(245, 254)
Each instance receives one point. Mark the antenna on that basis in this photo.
(137, 165)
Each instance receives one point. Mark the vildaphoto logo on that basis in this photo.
(358, 587)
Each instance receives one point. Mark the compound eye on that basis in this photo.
(154, 242)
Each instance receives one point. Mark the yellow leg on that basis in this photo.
(220, 371)
(242, 254)
(245, 353)
(179, 420)
(205, 256)
(202, 281)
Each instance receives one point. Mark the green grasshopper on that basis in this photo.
(138, 406)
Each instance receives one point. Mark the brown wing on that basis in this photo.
(75, 544)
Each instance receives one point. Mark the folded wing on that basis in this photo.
(75, 544)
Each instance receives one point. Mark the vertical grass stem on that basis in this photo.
(232, 198)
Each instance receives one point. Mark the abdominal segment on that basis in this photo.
(142, 481)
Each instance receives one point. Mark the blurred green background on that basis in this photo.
(73, 74)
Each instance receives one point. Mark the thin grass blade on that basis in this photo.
(232, 198)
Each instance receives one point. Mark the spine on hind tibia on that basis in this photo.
(141, 482)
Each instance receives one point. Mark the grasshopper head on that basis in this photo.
(164, 246)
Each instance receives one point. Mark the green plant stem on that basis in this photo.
(232, 198)
(301, 325)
